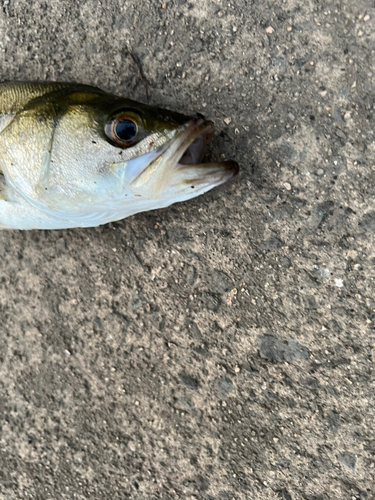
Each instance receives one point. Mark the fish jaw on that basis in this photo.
(177, 174)
(201, 177)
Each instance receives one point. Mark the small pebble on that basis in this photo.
(339, 283)
(320, 171)
(289, 28)
(270, 30)
(366, 18)
(287, 186)
(227, 120)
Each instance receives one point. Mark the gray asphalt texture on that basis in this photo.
(222, 348)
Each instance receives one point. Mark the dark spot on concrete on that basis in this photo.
(219, 282)
(211, 302)
(137, 302)
(319, 215)
(284, 494)
(349, 460)
(291, 350)
(224, 386)
(186, 379)
(97, 325)
(368, 222)
(311, 383)
(271, 245)
(187, 276)
(178, 235)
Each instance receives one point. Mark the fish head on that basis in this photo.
(97, 157)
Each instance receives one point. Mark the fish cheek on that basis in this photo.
(77, 148)
(86, 163)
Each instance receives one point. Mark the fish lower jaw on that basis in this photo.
(207, 174)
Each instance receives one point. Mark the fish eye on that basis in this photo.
(126, 130)
(123, 129)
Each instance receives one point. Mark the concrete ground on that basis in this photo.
(222, 348)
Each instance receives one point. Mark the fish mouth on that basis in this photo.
(179, 169)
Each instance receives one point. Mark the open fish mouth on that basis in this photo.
(178, 169)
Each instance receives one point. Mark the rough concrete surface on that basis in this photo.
(222, 348)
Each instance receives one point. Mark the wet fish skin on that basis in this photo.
(67, 158)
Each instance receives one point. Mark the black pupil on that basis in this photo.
(126, 130)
